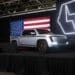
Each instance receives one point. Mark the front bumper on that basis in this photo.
(59, 46)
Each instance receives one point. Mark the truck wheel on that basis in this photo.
(42, 46)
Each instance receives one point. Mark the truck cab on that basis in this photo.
(40, 39)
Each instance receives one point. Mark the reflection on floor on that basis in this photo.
(7, 73)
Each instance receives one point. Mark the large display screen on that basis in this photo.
(17, 26)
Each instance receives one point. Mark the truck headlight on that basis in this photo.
(67, 43)
(55, 43)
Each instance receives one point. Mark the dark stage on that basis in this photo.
(29, 62)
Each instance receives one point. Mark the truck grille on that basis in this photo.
(58, 39)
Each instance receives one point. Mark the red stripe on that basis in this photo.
(36, 24)
(36, 18)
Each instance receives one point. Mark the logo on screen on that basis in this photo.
(66, 17)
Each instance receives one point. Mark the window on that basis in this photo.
(28, 32)
(41, 31)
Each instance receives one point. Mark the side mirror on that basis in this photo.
(33, 33)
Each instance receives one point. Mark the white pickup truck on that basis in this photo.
(39, 38)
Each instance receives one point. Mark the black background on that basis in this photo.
(5, 27)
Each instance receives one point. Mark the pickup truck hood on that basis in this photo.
(45, 35)
(51, 35)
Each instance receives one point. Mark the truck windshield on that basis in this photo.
(42, 31)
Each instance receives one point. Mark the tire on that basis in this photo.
(42, 46)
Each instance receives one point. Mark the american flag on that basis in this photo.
(37, 22)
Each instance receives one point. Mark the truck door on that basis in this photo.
(28, 38)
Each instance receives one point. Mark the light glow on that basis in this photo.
(70, 14)
(67, 43)
(37, 26)
(67, 13)
(37, 21)
(54, 43)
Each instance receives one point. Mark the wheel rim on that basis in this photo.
(42, 46)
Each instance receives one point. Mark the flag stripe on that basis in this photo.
(37, 26)
(37, 21)
(36, 18)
